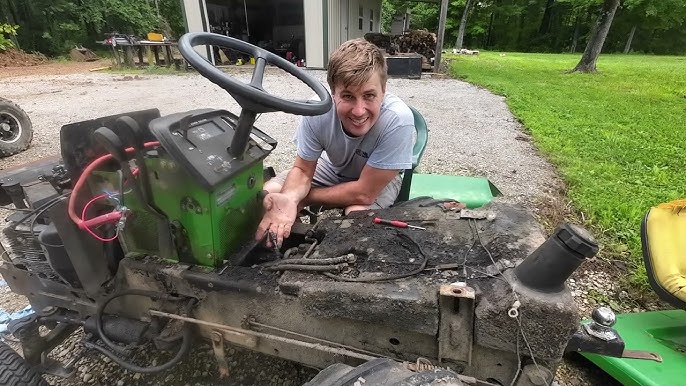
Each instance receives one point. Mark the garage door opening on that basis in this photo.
(275, 25)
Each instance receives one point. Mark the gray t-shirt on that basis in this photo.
(387, 145)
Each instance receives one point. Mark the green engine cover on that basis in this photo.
(207, 226)
(205, 197)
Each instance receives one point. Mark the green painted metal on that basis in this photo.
(472, 191)
(661, 332)
(207, 226)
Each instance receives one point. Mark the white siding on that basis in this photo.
(195, 12)
(314, 33)
(354, 30)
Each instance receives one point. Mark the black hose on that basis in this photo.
(186, 340)
(417, 271)
(101, 308)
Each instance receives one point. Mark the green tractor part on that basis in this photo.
(472, 191)
(194, 200)
(659, 332)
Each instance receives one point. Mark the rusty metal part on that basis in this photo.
(311, 248)
(252, 322)
(235, 332)
(219, 353)
(455, 332)
(308, 267)
(640, 354)
(452, 206)
(423, 364)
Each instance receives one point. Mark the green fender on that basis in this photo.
(660, 332)
(472, 191)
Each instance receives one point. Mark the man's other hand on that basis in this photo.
(279, 216)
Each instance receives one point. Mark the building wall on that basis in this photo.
(328, 23)
(345, 20)
(195, 15)
(315, 38)
(364, 16)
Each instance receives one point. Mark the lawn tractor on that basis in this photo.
(16, 131)
(142, 233)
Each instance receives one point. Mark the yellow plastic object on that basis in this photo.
(664, 247)
(155, 37)
(252, 60)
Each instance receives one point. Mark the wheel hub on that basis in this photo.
(10, 130)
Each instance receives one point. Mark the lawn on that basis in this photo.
(618, 137)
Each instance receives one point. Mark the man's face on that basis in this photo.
(358, 107)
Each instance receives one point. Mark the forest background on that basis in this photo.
(53, 27)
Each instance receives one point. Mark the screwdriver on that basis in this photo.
(396, 223)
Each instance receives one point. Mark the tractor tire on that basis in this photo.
(16, 131)
(14, 371)
(383, 371)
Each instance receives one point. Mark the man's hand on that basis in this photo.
(280, 213)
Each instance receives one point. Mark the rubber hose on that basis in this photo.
(101, 308)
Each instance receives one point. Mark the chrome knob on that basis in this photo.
(604, 316)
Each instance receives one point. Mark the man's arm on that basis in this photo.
(281, 209)
(364, 191)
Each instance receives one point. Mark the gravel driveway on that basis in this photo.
(471, 133)
(471, 130)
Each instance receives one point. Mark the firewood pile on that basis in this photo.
(418, 41)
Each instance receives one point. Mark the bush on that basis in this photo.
(6, 33)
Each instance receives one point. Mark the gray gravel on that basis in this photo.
(471, 130)
(471, 133)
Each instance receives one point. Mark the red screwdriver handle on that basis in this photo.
(394, 223)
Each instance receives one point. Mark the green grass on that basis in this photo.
(618, 137)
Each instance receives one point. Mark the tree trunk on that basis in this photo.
(463, 24)
(577, 30)
(490, 30)
(547, 14)
(597, 38)
(627, 47)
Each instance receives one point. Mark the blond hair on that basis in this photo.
(353, 64)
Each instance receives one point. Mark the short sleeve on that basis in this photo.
(394, 150)
(308, 146)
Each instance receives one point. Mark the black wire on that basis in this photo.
(49, 203)
(33, 223)
(387, 277)
(185, 347)
(101, 308)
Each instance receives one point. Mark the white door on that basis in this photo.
(345, 19)
(195, 12)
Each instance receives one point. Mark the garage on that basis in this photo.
(275, 25)
(306, 30)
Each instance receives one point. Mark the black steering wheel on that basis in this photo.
(252, 96)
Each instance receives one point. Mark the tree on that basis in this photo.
(463, 24)
(597, 38)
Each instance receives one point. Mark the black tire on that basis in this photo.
(16, 131)
(14, 371)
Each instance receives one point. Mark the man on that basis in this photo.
(351, 156)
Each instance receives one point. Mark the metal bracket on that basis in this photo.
(641, 354)
(456, 327)
(219, 353)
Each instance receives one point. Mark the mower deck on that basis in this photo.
(660, 332)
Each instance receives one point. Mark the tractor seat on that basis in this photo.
(417, 152)
(663, 234)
